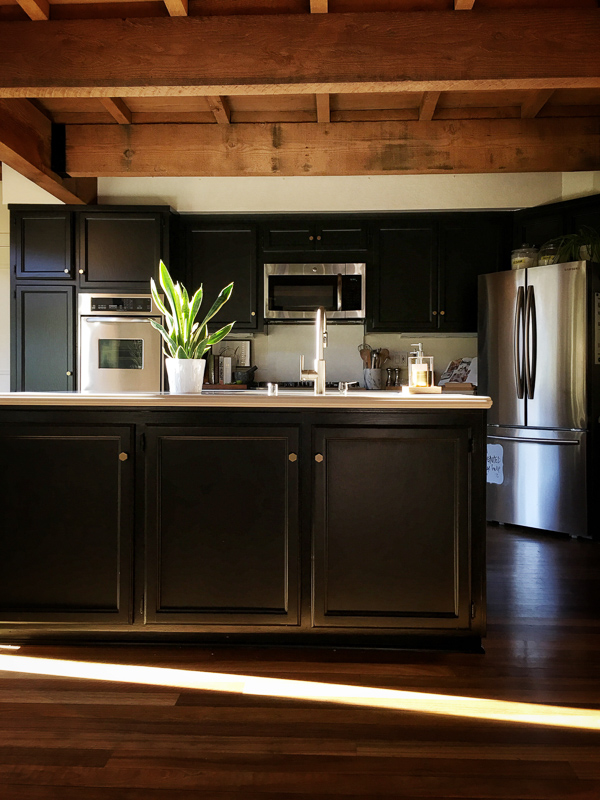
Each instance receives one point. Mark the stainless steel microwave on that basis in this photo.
(295, 291)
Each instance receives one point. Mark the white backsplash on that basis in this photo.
(277, 352)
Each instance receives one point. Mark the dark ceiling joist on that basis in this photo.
(26, 146)
(353, 148)
(276, 54)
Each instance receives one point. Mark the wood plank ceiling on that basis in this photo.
(296, 87)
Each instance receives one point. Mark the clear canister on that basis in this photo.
(524, 256)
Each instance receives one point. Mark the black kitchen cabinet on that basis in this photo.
(402, 284)
(43, 339)
(66, 493)
(325, 236)
(425, 269)
(41, 245)
(222, 526)
(219, 254)
(120, 249)
(375, 566)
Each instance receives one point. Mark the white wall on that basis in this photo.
(277, 353)
(4, 297)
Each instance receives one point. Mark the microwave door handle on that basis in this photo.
(530, 343)
(339, 291)
(518, 339)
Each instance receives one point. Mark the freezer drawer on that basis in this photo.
(537, 478)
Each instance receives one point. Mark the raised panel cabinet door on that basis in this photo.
(391, 528)
(402, 283)
(222, 527)
(41, 245)
(341, 235)
(119, 249)
(66, 554)
(468, 249)
(288, 236)
(44, 343)
(218, 255)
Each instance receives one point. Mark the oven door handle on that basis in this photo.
(144, 320)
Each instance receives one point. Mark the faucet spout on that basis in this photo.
(317, 375)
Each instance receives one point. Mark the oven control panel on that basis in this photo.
(127, 304)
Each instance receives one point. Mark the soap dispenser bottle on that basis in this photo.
(420, 369)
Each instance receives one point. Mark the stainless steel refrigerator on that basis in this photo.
(539, 361)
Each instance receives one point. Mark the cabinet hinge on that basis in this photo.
(473, 610)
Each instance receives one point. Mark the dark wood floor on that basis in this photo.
(74, 739)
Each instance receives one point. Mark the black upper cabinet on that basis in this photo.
(334, 236)
(424, 276)
(217, 255)
(402, 284)
(41, 245)
(43, 339)
(120, 248)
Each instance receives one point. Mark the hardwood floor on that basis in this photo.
(80, 739)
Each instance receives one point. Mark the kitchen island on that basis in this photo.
(243, 517)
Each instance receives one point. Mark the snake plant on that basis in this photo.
(185, 338)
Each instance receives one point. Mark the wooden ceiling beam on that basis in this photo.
(220, 109)
(352, 148)
(275, 54)
(177, 8)
(535, 102)
(26, 146)
(118, 109)
(323, 108)
(319, 6)
(428, 104)
(463, 5)
(36, 9)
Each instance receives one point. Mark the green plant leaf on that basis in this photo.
(216, 337)
(157, 299)
(223, 297)
(171, 344)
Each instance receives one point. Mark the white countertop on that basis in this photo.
(251, 399)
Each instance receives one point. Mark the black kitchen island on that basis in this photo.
(243, 518)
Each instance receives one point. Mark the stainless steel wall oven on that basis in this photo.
(119, 350)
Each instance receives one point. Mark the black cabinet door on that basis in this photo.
(41, 244)
(219, 254)
(222, 528)
(402, 285)
(331, 236)
(341, 235)
(468, 249)
(119, 249)
(66, 553)
(43, 339)
(289, 236)
(392, 528)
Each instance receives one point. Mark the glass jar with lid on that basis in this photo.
(524, 256)
(548, 254)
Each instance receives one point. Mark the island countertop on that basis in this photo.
(250, 399)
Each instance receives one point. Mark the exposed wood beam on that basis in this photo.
(36, 9)
(323, 108)
(269, 54)
(535, 102)
(177, 8)
(463, 5)
(25, 145)
(220, 109)
(363, 148)
(319, 6)
(118, 109)
(428, 104)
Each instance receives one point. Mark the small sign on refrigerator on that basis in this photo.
(495, 463)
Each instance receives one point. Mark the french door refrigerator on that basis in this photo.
(539, 361)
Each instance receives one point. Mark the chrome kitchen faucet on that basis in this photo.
(318, 373)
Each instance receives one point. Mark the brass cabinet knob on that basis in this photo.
(435, 313)
(69, 372)
(253, 313)
(442, 313)
(318, 238)
(318, 458)
(293, 457)
(310, 238)
(123, 456)
(66, 271)
(81, 272)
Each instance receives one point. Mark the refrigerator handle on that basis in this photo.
(530, 343)
(518, 340)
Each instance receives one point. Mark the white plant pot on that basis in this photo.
(186, 375)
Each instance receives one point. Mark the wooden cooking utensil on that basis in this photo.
(366, 357)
